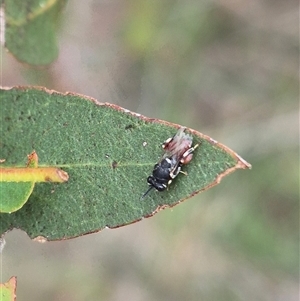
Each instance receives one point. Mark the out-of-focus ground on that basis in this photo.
(229, 69)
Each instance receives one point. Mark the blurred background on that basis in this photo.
(229, 69)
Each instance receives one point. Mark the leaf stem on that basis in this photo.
(33, 174)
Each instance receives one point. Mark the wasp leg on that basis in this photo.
(174, 173)
(167, 142)
(188, 155)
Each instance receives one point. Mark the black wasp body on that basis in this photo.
(162, 173)
(178, 151)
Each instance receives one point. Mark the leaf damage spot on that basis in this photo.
(40, 239)
(129, 127)
(114, 164)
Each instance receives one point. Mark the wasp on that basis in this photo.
(178, 152)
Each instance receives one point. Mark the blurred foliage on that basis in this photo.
(226, 68)
(30, 29)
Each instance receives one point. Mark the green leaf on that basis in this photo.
(17, 183)
(107, 151)
(30, 29)
(8, 290)
(13, 196)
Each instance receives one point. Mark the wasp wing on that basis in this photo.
(176, 146)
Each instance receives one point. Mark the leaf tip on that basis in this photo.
(243, 164)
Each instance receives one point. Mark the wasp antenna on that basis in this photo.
(143, 196)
